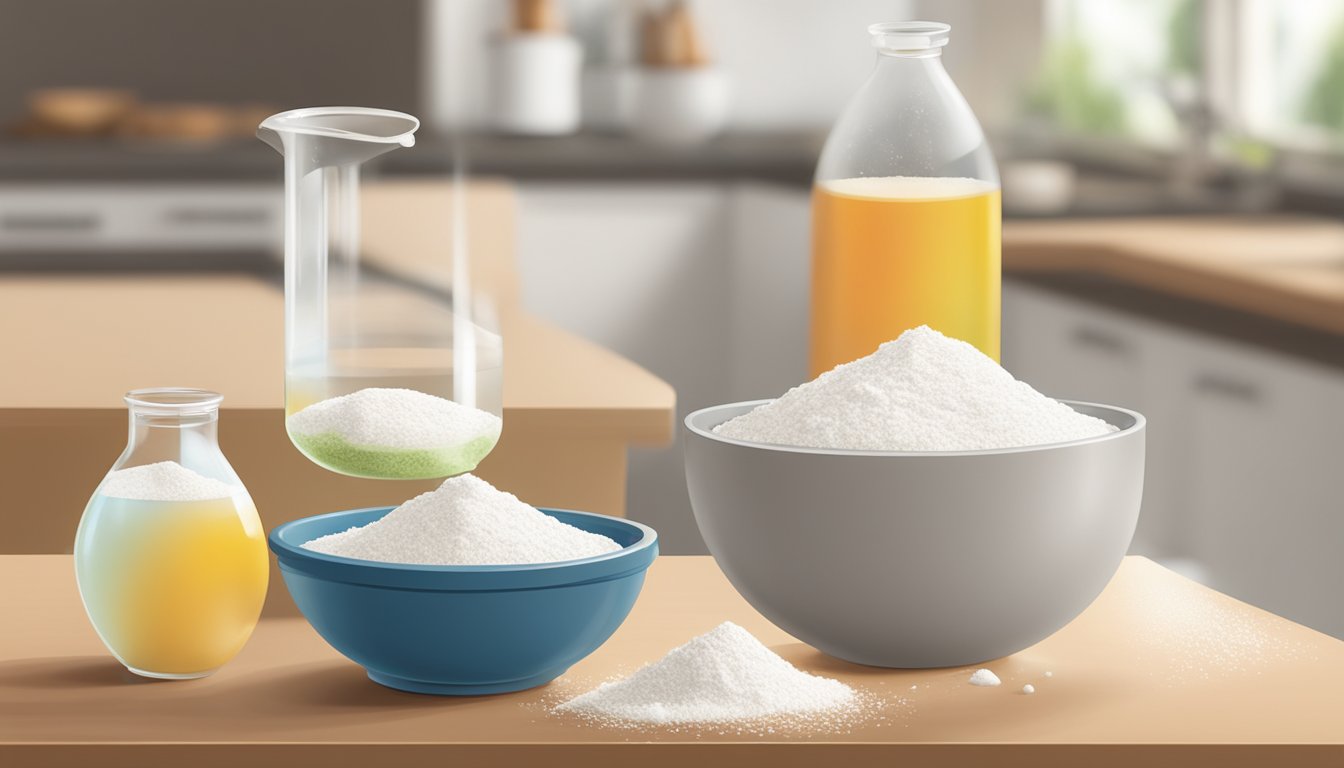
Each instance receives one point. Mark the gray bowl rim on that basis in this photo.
(1137, 425)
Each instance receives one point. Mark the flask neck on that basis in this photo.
(909, 39)
(893, 55)
(164, 421)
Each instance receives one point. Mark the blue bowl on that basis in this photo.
(464, 630)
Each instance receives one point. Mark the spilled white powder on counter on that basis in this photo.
(1028, 689)
(725, 675)
(465, 521)
(402, 419)
(1183, 632)
(164, 481)
(922, 392)
(983, 677)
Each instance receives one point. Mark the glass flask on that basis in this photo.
(905, 209)
(170, 555)
(390, 371)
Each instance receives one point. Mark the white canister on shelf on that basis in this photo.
(536, 83)
(680, 105)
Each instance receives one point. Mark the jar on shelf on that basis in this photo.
(170, 555)
(393, 366)
(906, 209)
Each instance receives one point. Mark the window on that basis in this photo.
(1120, 68)
(1292, 90)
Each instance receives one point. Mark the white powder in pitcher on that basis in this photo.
(465, 521)
(403, 419)
(723, 676)
(164, 481)
(921, 392)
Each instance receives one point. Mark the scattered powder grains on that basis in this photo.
(1028, 689)
(164, 481)
(921, 392)
(724, 676)
(394, 433)
(466, 521)
(1185, 632)
(984, 677)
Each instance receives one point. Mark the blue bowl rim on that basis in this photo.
(630, 559)
(1136, 424)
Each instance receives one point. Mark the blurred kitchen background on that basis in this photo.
(1173, 189)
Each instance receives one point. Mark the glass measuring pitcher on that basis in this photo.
(389, 370)
(905, 209)
(170, 555)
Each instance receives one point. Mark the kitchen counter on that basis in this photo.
(788, 157)
(74, 343)
(571, 408)
(1282, 268)
(1158, 671)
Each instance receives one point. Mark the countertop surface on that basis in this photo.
(788, 157)
(91, 338)
(1280, 267)
(86, 338)
(1158, 669)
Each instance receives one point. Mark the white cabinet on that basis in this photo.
(1266, 491)
(1245, 469)
(1070, 351)
(703, 283)
(1075, 350)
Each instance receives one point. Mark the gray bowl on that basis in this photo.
(899, 559)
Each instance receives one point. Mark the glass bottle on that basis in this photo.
(393, 367)
(905, 209)
(170, 555)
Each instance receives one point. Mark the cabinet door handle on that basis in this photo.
(216, 216)
(1101, 340)
(1229, 388)
(51, 222)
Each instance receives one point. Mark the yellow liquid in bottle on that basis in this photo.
(893, 253)
(174, 588)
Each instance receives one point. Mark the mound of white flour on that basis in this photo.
(403, 419)
(723, 676)
(466, 521)
(921, 392)
(164, 481)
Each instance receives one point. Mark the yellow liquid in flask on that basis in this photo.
(174, 588)
(893, 253)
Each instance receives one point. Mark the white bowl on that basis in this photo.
(680, 106)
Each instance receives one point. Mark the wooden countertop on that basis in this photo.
(1285, 268)
(72, 343)
(83, 341)
(1158, 671)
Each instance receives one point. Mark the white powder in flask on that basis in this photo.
(466, 521)
(983, 677)
(723, 676)
(921, 392)
(164, 481)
